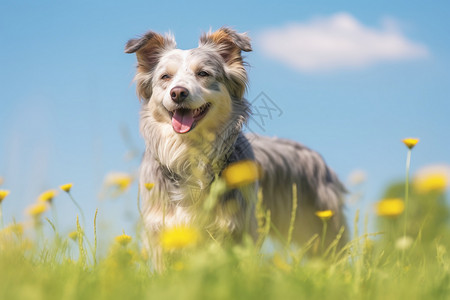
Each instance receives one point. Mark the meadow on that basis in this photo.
(406, 257)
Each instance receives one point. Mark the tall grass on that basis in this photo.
(55, 266)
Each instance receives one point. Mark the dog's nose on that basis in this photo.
(178, 94)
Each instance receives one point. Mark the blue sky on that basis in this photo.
(67, 94)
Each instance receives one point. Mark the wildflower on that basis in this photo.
(119, 180)
(15, 228)
(47, 196)
(123, 239)
(325, 215)
(3, 195)
(390, 207)
(434, 182)
(241, 173)
(179, 238)
(403, 242)
(37, 209)
(149, 186)
(280, 263)
(410, 142)
(73, 235)
(66, 187)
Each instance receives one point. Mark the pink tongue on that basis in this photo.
(182, 120)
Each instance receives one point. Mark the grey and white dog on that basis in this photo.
(192, 115)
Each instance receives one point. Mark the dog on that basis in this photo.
(192, 116)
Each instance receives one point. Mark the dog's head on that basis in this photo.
(190, 89)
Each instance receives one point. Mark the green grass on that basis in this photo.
(404, 258)
(371, 266)
(215, 272)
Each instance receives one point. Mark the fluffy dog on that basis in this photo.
(193, 111)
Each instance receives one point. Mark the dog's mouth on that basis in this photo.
(185, 119)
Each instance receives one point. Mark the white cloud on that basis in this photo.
(338, 42)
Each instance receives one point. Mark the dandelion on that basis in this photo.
(280, 263)
(73, 235)
(37, 209)
(47, 196)
(434, 182)
(3, 195)
(15, 228)
(325, 215)
(121, 181)
(241, 173)
(390, 207)
(178, 238)
(410, 142)
(66, 187)
(149, 186)
(123, 239)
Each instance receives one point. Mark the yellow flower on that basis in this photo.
(178, 238)
(123, 239)
(47, 196)
(149, 186)
(119, 180)
(73, 235)
(241, 173)
(410, 142)
(15, 228)
(390, 207)
(66, 187)
(37, 209)
(435, 182)
(3, 195)
(280, 263)
(325, 215)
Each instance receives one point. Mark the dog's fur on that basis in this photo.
(182, 165)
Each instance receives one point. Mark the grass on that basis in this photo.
(390, 263)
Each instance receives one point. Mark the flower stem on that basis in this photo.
(79, 208)
(408, 163)
(324, 233)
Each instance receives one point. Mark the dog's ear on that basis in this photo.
(230, 44)
(148, 49)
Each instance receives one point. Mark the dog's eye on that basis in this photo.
(203, 74)
(165, 77)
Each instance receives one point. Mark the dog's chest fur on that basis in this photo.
(183, 177)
